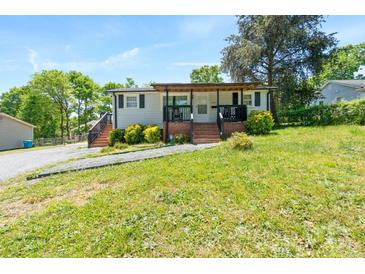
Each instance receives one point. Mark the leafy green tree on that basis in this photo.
(105, 100)
(85, 92)
(10, 101)
(40, 111)
(130, 83)
(55, 85)
(268, 47)
(206, 74)
(343, 63)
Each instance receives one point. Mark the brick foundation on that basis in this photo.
(177, 128)
(230, 127)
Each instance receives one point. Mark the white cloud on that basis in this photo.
(193, 64)
(120, 59)
(113, 62)
(32, 59)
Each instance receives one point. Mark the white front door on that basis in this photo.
(201, 108)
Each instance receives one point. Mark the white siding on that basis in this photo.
(150, 114)
(332, 91)
(13, 133)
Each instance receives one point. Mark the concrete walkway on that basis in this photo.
(119, 159)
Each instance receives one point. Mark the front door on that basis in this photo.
(202, 108)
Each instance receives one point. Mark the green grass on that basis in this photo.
(131, 148)
(300, 192)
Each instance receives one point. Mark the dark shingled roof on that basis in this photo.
(132, 90)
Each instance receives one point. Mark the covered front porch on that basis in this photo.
(200, 110)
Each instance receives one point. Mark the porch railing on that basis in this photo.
(94, 132)
(177, 113)
(233, 113)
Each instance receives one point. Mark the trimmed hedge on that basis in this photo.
(259, 122)
(352, 112)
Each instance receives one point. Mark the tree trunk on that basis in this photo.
(61, 125)
(78, 116)
(270, 83)
(68, 124)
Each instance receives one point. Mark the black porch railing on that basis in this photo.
(233, 113)
(177, 113)
(94, 132)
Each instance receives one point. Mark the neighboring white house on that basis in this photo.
(13, 132)
(341, 90)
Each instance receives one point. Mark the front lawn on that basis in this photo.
(300, 192)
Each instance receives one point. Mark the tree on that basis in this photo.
(206, 74)
(105, 100)
(268, 47)
(130, 83)
(10, 101)
(85, 92)
(40, 111)
(343, 63)
(55, 85)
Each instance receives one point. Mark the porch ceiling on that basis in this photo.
(208, 87)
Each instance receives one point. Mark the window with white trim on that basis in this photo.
(131, 102)
(247, 99)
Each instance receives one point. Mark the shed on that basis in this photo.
(13, 132)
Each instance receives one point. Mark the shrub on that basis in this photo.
(240, 141)
(352, 112)
(107, 149)
(152, 134)
(120, 146)
(134, 134)
(116, 135)
(260, 122)
(180, 139)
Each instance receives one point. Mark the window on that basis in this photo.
(247, 99)
(339, 99)
(141, 101)
(257, 99)
(202, 109)
(234, 98)
(176, 100)
(120, 101)
(131, 101)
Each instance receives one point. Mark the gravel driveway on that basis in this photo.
(120, 158)
(13, 164)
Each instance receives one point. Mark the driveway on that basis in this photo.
(14, 164)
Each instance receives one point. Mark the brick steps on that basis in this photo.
(205, 133)
(102, 139)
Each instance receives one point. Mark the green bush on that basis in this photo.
(180, 139)
(240, 141)
(116, 135)
(352, 112)
(120, 146)
(134, 134)
(152, 134)
(259, 122)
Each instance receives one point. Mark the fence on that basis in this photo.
(59, 140)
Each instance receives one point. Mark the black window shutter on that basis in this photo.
(120, 101)
(257, 99)
(235, 98)
(141, 100)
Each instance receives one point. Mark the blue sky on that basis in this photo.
(111, 48)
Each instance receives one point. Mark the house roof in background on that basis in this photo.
(16, 119)
(132, 90)
(358, 84)
(209, 86)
